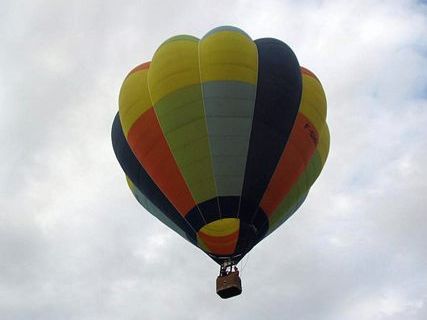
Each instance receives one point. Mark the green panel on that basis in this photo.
(182, 119)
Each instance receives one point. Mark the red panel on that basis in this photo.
(298, 151)
(149, 145)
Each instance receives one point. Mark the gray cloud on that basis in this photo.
(75, 245)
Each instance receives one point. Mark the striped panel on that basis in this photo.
(146, 139)
(298, 152)
(143, 182)
(174, 84)
(149, 145)
(300, 164)
(277, 103)
(228, 71)
(302, 142)
(300, 189)
(133, 99)
(219, 237)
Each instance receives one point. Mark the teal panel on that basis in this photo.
(229, 107)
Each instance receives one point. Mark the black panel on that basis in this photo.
(195, 219)
(251, 234)
(229, 206)
(210, 209)
(261, 224)
(277, 102)
(143, 181)
(247, 239)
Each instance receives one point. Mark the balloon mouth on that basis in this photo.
(234, 259)
(247, 236)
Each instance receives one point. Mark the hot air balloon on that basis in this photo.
(221, 138)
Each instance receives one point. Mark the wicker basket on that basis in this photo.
(229, 285)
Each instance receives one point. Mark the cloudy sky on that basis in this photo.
(74, 244)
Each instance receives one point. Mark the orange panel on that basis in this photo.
(298, 151)
(149, 145)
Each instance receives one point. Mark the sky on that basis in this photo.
(74, 243)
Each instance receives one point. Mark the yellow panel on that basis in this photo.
(323, 146)
(175, 65)
(134, 99)
(313, 102)
(228, 55)
(221, 227)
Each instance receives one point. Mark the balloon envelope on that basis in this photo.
(221, 138)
